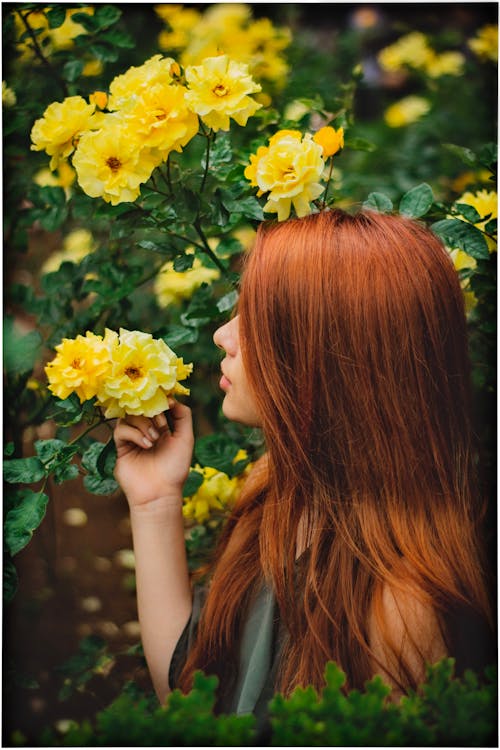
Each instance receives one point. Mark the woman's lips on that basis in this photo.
(224, 382)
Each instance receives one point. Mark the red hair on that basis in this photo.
(353, 336)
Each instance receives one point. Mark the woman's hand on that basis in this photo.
(153, 461)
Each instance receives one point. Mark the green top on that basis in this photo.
(257, 658)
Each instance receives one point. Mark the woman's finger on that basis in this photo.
(145, 425)
(127, 433)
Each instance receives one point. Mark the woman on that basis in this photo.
(356, 535)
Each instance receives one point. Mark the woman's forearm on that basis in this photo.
(164, 598)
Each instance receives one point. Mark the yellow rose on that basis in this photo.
(76, 246)
(289, 169)
(330, 140)
(406, 111)
(219, 88)
(64, 176)
(137, 79)
(171, 287)
(110, 162)
(161, 119)
(142, 375)
(8, 96)
(448, 63)
(485, 43)
(79, 367)
(62, 37)
(410, 50)
(62, 124)
(99, 98)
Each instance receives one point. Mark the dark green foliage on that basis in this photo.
(444, 712)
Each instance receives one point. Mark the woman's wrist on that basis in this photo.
(169, 504)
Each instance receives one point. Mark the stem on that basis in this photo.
(206, 247)
(205, 173)
(39, 53)
(85, 432)
(328, 183)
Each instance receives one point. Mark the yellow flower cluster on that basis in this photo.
(485, 43)
(406, 111)
(413, 51)
(218, 492)
(60, 38)
(227, 28)
(171, 287)
(290, 168)
(127, 373)
(76, 246)
(149, 114)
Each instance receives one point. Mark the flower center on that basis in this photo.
(220, 90)
(113, 163)
(133, 372)
(76, 363)
(289, 174)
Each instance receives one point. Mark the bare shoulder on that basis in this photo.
(405, 635)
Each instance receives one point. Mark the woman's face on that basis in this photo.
(239, 404)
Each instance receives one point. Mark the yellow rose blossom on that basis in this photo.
(76, 246)
(62, 37)
(143, 373)
(58, 131)
(448, 63)
(171, 287)
(137, 79)
(410, 50)
(219, 89)
(92, 68)
(78, 367)
(330, 140)
(160, 118)
(486, 204)
(463, 262)
(8, 95)
(180, 21)
(406, 111)
(218, 492)
(289, 169)
(485, 43)
(64, 176)
(111, 164)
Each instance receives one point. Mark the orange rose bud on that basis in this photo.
(330, 140)
(175, 70)
(99, 98)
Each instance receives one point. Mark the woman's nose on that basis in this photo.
(225, 337)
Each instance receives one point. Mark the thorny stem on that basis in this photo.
(39, 53)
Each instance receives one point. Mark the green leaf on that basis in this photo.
(26, 470)
(360, 144)
(107, 15)
(220, 152)
(491, 227)
(98, 486)
(72, 70)
(22, 520)
(21, 351)
(378, 202)
(468, 212)
(119, 39)
(56, 16)
(9, 449)
(192, 483)
(228, 301)
(417, 201)
(456, 233)
(183, 262)
(10, 580)
(465, 154)
(217, 451)
(99, 460)
(106, 460)
(103, 52)
(88, 22)
(488, 155)
(176, 335)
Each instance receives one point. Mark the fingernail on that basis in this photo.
(153, 433)
(161, 420)
(147, 442)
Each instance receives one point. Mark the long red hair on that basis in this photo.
(353, 336)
